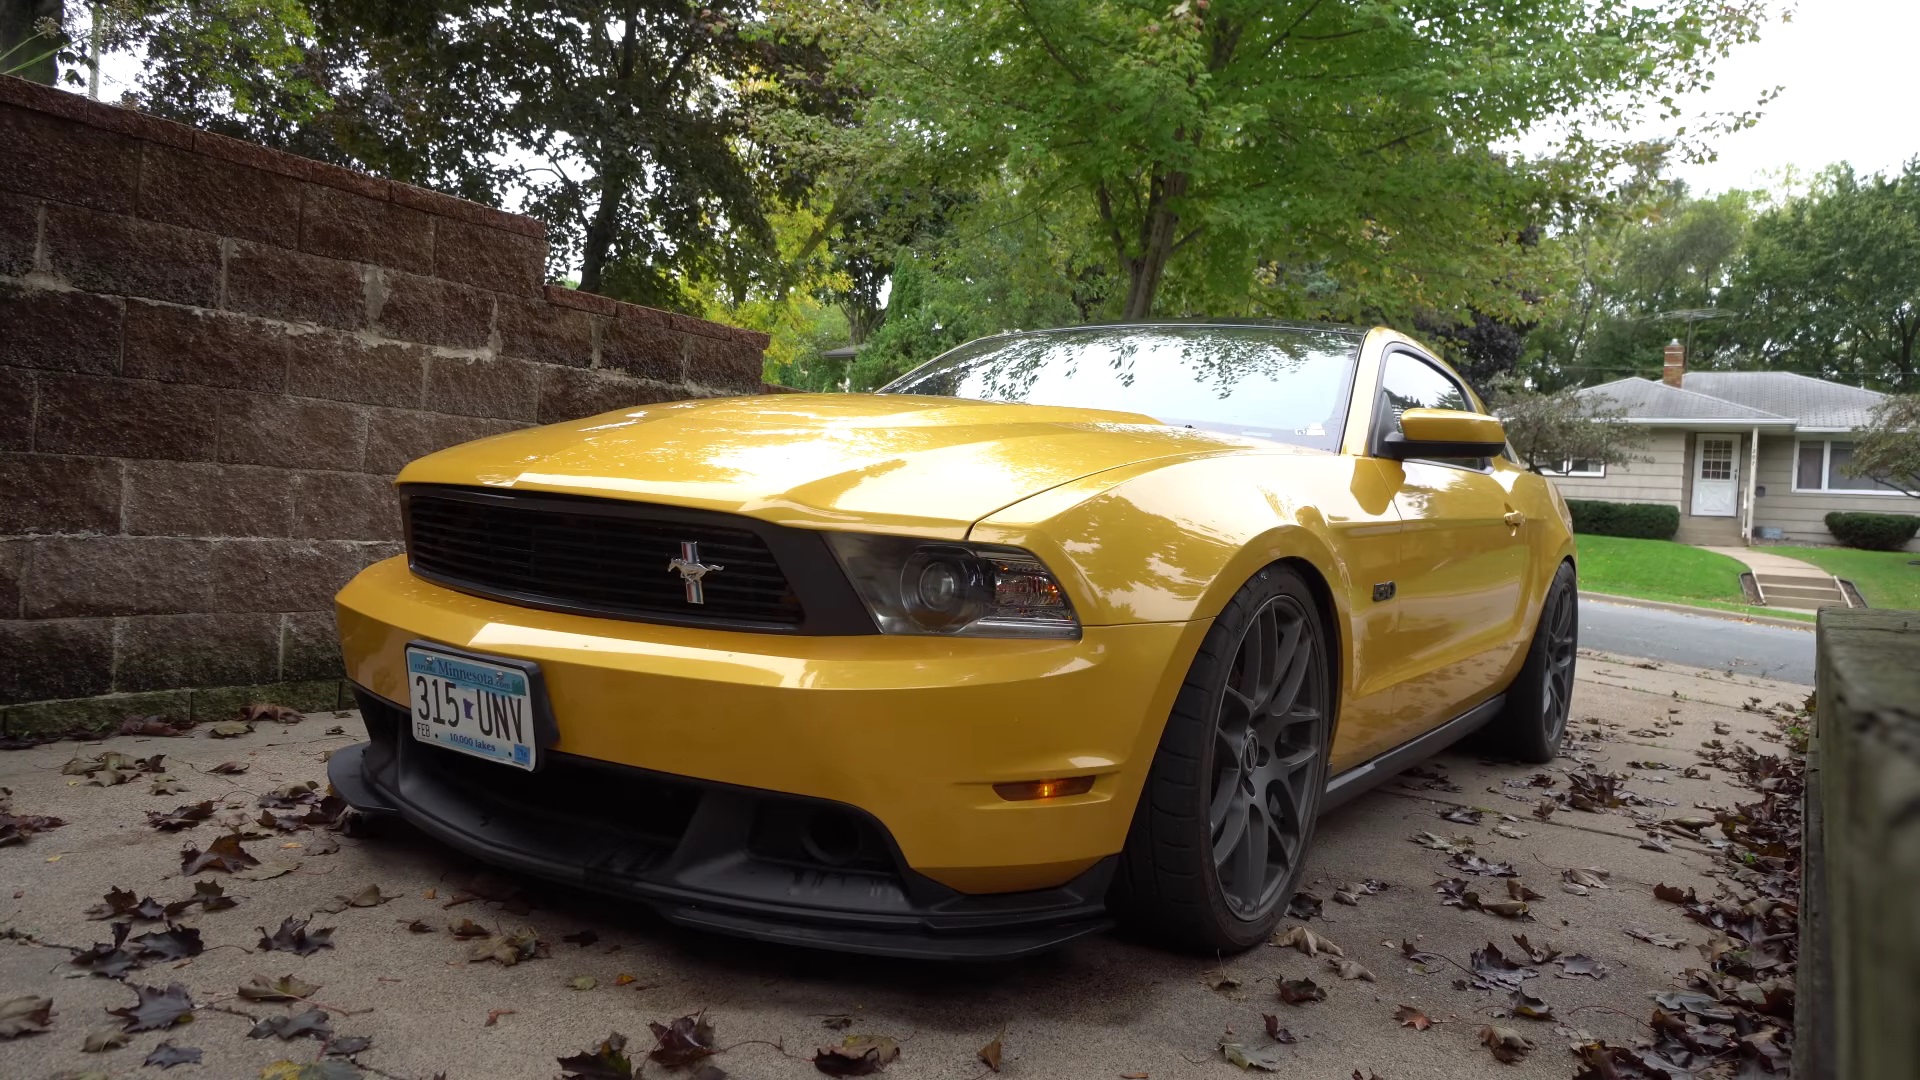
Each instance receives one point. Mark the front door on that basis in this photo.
(1463, 561)
(1716, 475)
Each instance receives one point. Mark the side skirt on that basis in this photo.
(1378, 770)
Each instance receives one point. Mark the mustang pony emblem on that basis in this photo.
(692, 570)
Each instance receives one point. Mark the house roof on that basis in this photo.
(1644, 399)
(1813, 403)
(1762, 397)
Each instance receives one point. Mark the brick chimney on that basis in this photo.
(1674, 369)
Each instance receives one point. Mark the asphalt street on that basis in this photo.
(1770, 652)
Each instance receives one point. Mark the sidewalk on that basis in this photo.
(1788, 583)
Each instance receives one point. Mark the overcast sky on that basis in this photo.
(1850, 70)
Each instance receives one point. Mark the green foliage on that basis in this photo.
(32, 39)
(240, 67)
(1830, 285)
(1546, 428)
(1887, 449)
(1643, 521)
(1246, 156)
(1872, 532)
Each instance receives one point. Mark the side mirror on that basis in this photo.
(1445, 433)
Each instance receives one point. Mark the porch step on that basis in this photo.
(1805, 581)
(1778, 593)
(1801, 603)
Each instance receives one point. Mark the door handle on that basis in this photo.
(1515, 518)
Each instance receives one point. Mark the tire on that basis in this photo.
(1183, 881)
(1531, 725)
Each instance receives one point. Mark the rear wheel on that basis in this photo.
(1534, 719)
(1221, 830)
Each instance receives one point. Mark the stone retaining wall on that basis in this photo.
(213, 359)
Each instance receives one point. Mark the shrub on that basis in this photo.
(1873, 532)
(1639, 521)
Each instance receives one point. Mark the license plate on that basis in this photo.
(472, 706)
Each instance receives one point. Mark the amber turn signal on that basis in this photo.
(1044, 789)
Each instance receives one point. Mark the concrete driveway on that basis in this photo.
(1103, 1008)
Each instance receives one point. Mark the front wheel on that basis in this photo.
(1220, 833)
(1534, 719)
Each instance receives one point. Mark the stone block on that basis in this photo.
(55, 158)
(169, 498)
(55, 658)
(448, 206)
(344, 368)
(343, 225)
(19, 233)
(17, 395)
(57, 493)
(283, 575)
(499, 387)
(292, 433)
(163, 652)
(730, 366)
(644, 349)
(204, 348)
(226, 702)
(197, 191)
(117, 575)
(548, 333)
(285, 163)
(434, 312)
(290, 285)
(489, 258)
(111, 417)
(125, 256)
(345, 506)
(94, 715)
(395, 437)
(310, 646)
(570, 393)
(59, 330)
(13, 570)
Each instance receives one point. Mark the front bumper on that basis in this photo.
(906, 736)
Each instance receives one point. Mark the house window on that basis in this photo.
(1820, 465)
(1716, 459)
(1576, 466)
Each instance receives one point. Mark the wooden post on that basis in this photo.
(1865, 874)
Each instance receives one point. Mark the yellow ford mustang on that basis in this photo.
(1058, 628)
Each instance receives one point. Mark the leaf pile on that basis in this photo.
(1737, 1015)
(15, 828)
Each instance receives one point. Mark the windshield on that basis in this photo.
(1287, 384)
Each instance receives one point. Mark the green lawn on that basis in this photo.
(1884, 578)
(1664, 570)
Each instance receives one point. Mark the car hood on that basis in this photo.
(924, 465)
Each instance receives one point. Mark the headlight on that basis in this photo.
(938, 587)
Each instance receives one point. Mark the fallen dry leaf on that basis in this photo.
(225, 853)
(1305, 940)
(1300, 991)
(26, 1015)
(1508, 1046)
(1264, 1058)
(1408, 1016)
(1349, 969)
(990, 1054)
(1275, 1031)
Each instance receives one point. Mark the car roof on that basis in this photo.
(1344, 329)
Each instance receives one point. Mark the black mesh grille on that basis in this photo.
(595, 559)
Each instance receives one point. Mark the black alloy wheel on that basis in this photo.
(1267, 754)
(1221, 831)
(1534, 719)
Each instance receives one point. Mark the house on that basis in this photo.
(1746, 455)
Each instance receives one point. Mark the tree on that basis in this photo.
(1546, 429)
(1234, 148)
(1830, 285)
(1887, 449)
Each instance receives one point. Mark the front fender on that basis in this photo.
(1173, 542)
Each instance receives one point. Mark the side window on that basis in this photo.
(1411, 383)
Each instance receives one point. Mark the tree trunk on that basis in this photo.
(598, 243)
(21, 47)
(1157, 229)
